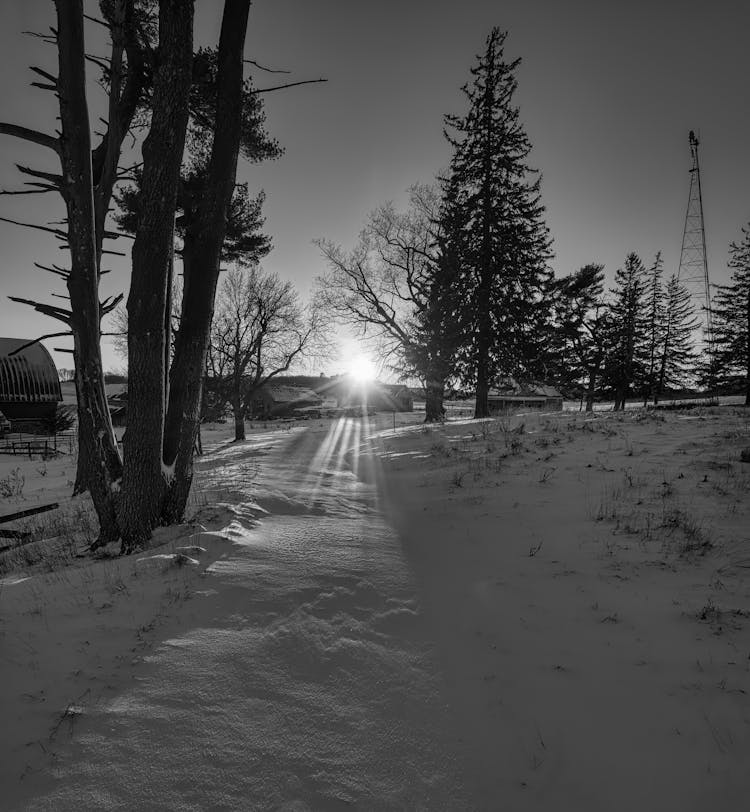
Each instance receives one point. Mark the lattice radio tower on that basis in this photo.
(693, 270)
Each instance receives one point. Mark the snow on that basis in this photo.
(459, 617)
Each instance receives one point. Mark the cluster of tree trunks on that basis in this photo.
(150, 484)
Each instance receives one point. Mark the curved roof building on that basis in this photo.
(29, 386)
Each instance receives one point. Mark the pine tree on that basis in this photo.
(505, 257)
(654, 325)
(577, 309)
(731, 320)
(628, 355)
(437, 330)
(676, 354)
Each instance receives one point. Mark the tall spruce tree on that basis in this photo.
(578, 331)
(731, 320)
(437, 329)
(676, 356)
(627, 355)
(507, 244)
(654, 334)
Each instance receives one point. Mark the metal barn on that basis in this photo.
(29, 386)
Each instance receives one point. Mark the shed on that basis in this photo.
(29, 386)
(512, 395)
(273, 400)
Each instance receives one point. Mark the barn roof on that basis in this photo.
(291, 394)
(27, 375)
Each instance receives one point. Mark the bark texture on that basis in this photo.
(204, 245)
(143, 475)
(434, 411)
(96, 438)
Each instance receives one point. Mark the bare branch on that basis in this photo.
(96, 20)
(291, 84)
(59, 313)
(50, 177)
(34, 136)
(41, 338)
(261, 67)
(27, 191)
(114, 235)
(100, 63)
(50, 39)
(44, 74)
(56, 269)
(56, 231)
(109, 304)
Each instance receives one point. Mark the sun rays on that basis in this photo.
(343, 449)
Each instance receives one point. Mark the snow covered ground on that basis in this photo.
(528, 613)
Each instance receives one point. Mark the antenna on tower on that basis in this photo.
(693, 269)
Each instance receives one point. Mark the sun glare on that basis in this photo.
(362, 369)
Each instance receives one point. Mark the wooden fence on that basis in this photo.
(28, 445)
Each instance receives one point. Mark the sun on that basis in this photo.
(362, 369)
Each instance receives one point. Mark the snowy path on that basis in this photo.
(300, 677)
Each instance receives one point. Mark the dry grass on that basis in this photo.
(58, 538)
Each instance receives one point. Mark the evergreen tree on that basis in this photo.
(437, 331)
(628, 354)
(654, 325)
(576, 350)
(731, 320)
(507, 246)
(676, 356)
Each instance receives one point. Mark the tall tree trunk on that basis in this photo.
(207, 238)
(101, 460)
(484, 342)
(143, 472)
(124, 92)
(591, 389)
(481, 407)
(434, 391)
(239, 420)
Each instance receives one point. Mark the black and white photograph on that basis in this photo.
(374, 406)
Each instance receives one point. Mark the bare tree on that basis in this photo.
(376, 287)
(396, 288)
(260, 330)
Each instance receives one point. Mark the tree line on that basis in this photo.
(456, 290)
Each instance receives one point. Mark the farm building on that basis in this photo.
(512, 395)
(29, 387)
(344, 393)
(275, 400)
(390, 398)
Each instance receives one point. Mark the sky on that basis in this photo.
(607, 91)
